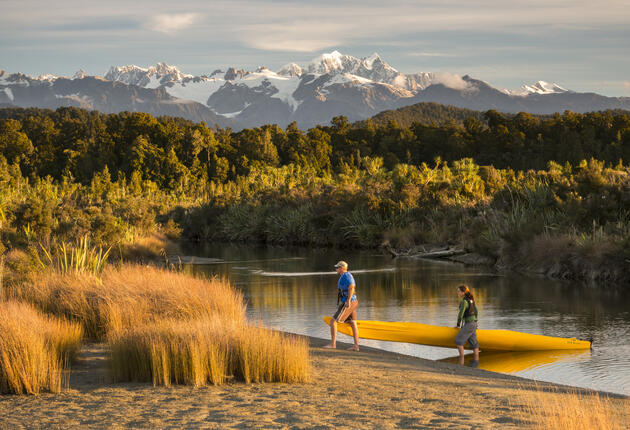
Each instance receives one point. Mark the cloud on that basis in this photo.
(450, 80)
(172, 23)
(95, 24)
(429, 54)
(626, 85)
(270, 43)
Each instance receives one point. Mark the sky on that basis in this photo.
(582, 45)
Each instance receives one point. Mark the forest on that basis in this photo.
(544, 194)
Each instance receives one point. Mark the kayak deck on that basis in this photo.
(489, 340)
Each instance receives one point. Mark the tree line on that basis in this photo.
(175, 153)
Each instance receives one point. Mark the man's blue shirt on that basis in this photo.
(343, 284)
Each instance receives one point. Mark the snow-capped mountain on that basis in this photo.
(313, 93)
(153, 77)
(93, 92)
(540, 87)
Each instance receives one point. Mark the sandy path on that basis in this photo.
(369, 389)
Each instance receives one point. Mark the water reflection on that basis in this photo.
(293, 288)
(519, 362)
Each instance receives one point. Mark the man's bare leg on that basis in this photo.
(333, 335)
(355, 335)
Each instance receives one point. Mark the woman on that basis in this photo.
(467, 320)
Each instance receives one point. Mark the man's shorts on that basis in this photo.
(468, 332)
(347, 314)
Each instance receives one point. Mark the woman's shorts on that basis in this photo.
(468, 332)
(347, 314)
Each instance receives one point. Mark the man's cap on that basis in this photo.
(342, 264)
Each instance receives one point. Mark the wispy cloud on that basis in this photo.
(429, 54)
(172, 23)
(451, 80)
(272, 43)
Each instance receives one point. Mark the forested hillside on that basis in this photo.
(544, 194)
(424, 113)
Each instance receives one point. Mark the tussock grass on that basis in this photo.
(130, 295)
(169, 328)
(561, 411)
(207, 351)
(144, 248)
(35, 349)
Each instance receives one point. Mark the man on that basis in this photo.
(347, 310)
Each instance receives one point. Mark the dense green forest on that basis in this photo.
(545, 194)
(424, 113)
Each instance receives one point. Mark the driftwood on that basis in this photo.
(191, 259)
(439, 254)
(422, 252)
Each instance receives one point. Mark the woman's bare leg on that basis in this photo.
(460, 348)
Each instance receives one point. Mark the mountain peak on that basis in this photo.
(539, 87)
(332, 62)
(290, 70)
(369, 61)
(80, 74)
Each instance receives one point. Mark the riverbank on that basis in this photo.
(553, 260)
(369, 389)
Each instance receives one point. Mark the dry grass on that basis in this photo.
(145, 248)
(129, 296)
(207, 351)
(35, 349)
(169, 328)
(561, 411)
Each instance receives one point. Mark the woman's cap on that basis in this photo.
(342, 264)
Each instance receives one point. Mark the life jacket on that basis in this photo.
(471, 310)
(342, 292)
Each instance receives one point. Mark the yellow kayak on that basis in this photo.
(489, 340)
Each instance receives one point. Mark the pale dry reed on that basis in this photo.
(35, 349)
(561, 411)
(207, 351)
(169, 328)
(129, 296)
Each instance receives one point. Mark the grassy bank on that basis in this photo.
(560, 410)
(161, 326)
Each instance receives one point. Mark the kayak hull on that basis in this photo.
(489, 340)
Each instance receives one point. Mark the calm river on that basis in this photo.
(291, 289)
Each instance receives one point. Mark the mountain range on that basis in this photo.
(330, 85)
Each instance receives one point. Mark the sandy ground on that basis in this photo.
(367, 389)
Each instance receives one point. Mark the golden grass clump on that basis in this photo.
(130, 295)
(169, 328)
(35, 349)
(557, 410)
(263, 355)
(207, 351)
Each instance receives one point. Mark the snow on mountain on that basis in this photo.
(264, 78)
(290, 70)
(9, 93)
(197, 89)
(152, 77)
(80, 74)
(312, 93)
(372, 67)
(540, 87)
(47, 77)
